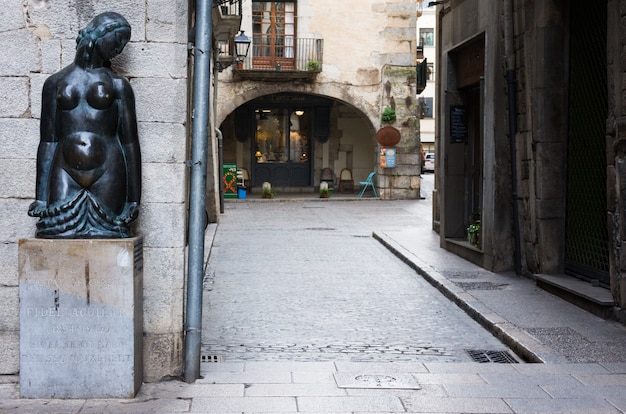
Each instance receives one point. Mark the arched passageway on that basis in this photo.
(287, 139)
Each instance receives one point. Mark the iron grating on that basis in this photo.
(498, 357)
(211, 358)
(481, 285)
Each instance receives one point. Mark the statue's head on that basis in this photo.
(106, 35)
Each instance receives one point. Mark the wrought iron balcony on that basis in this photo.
(226, 19)
(283, 60)
(229, 7)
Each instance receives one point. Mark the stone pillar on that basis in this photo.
(81, 318)
(402, 181)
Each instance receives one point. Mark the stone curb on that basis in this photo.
(524, 345)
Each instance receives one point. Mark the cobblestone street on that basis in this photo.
(305, 281)
(309, 308)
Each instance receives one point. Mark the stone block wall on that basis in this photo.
(38, 39)
(402, 181)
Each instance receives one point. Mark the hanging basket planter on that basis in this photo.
(388, 136)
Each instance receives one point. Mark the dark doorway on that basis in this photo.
(586, 245)
(282, 150)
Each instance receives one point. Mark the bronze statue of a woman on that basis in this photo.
(88, 161)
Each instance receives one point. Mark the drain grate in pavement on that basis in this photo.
(321, 228)
(211, 358)
(376, 381)
(498, 357)
(481, 285)
(457, 275)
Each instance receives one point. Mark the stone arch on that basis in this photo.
(346, 94)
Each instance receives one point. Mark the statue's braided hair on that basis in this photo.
(96, 30)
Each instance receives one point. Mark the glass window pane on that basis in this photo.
(426, 106)
(427, 37)
(282, 136)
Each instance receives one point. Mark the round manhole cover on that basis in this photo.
(381, 381)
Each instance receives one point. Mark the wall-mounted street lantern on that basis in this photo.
(242, 45)
(224, 56)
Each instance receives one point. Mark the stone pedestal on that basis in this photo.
(81, 318)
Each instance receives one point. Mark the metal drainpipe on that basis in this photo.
(509, 50)
(218, 132)
(197, 198)
(220, 155)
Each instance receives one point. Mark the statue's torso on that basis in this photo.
(86, 124)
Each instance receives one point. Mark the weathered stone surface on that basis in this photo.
(161, 142)
(167, 21)
(65, 17)
(23, 141)
(163, 266)
(17, 180)
(160, 222)
(170, 95)
(9, 302)
(9, 352)
(13, 96)
(81, 318)
(161, 182)
(12, 16)
(14, 222)
(163, 310)
(163, 356)
(8, 258)
(50, 56)
(19, 43)
(168, 60)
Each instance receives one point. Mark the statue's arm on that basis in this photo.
(130, 141)
(47, 146)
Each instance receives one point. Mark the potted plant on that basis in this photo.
(313, 66)
(389, 115)
(473, 234)
(267, 191)
(473, 230)
(324, 190)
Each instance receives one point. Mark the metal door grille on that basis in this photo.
(586, 247)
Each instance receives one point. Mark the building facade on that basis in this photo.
(309, 96)
(531, 151)
(426, 51)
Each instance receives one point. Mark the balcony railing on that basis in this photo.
(300, 56)
(229, 7)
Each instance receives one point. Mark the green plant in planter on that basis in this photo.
(473, 234)
(324, 190)
(267, 191)
(389, 115)
(473, 230)
(313, 66)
